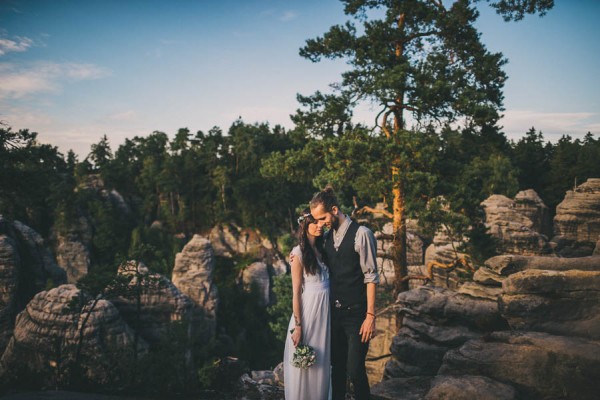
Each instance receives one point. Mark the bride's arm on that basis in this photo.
(297, 299)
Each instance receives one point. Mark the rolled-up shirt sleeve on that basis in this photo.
(365, 245)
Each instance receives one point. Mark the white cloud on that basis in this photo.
(123, 116)
(288, 15)
(19, 44)
(552, 124)
(66, 134)
(18, 81)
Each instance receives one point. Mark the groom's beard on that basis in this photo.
(335, 222)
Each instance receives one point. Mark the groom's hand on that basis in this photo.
(367, 329)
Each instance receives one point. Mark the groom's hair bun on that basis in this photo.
(326, 197)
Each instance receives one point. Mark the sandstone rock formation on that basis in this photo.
(559, 302)
(193, 276)
(435, 320)
(539, 365)
(160, 303)
(9, 262)
(256, 277)
(445, 251)
(229, 240)
(73, 249)
(577, 220)
(539, 340)
(56, 324)
(26, 267)
(415, 245)
(519, 224)
(468, 387)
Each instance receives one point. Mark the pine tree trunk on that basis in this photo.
(399, 227)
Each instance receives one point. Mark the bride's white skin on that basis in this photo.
(313, 231)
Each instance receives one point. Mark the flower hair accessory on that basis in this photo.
(303, 217)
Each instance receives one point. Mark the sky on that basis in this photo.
(75, 70)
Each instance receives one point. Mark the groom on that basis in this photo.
(350, 252)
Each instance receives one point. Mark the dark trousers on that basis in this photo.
(348, 353)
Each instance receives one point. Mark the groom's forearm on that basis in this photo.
(371, 298)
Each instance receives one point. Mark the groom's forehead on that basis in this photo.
(319, 212)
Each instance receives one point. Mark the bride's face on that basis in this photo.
(314, 229)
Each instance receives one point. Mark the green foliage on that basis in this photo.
(281, 310)
(241, 318)
(33, 179)
(286, 243)
(156, 248)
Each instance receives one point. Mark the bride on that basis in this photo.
(309, 323)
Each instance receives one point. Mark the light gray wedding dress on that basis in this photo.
(311, 383)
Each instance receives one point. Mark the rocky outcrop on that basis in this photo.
(73, 249)
(577, 220)
(413, 388)
(38, 258)
(63, 328)
(558, 302)
(193, 276)
(538, 365)
(435, 320)
(505, 265)
(445, 251)
(9, 262)
(160, 304)
(255, 277)
(415, 245)
(518, 225)
(26, 267)
(468, 387)
(229, 240)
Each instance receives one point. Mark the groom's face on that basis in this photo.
(324, 218)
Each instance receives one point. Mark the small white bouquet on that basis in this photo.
(304, 356)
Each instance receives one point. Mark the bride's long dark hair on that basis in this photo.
(309, 259)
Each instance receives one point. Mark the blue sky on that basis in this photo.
(76, 70)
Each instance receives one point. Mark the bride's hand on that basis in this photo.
(291, 257)
(296, 335)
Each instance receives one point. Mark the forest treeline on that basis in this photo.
(257, 176)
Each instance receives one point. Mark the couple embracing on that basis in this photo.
(333, 301)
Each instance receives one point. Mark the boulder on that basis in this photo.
(469, 387)
(193, 276)
(73, 249)
(256, 277)
(160, 302)
(577, 220)
(26, 267)
(478, 290)
(538, 365)
(558, 302)
(415, 247)
(413, 388)
(53, 326)
(229, 240)
(9, 262)
(39, 260)
(529, 204)
(506, 265)
(518, 225)
(435, 320)
(439, 306)
(445, 251)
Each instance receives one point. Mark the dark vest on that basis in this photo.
(346, 277)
